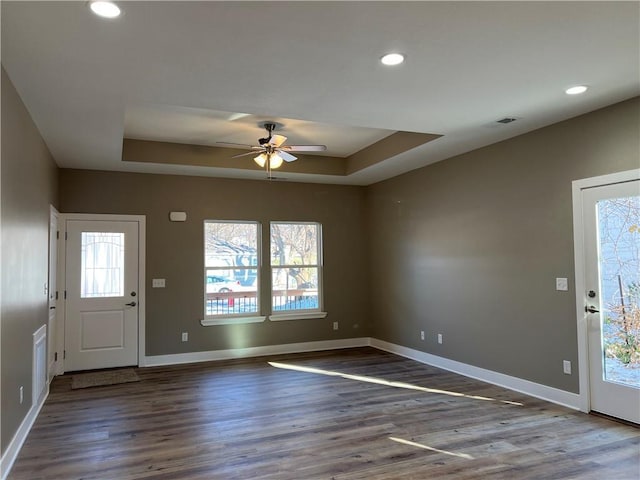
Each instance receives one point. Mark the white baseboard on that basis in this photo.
(194, 357)
(12, 451)
(544, 392)
(554, 395)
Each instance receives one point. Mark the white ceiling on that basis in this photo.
(177, 71)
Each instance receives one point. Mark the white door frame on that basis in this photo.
(62, 262)
(578, 252)
(54, 255)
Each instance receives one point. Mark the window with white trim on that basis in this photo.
(296, 267)
(231, 266)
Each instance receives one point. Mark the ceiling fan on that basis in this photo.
(272, 151)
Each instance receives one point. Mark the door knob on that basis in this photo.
(591, 309)
(132, 304)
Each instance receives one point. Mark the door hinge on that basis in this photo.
(65, 294)
(66, 236)
(55, 357)
(64, 354)
(57, 234)
(56, 294)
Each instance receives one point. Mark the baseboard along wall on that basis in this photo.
(544, 392)
(194, 357)
(12, 451)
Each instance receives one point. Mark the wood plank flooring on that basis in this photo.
(340, 415)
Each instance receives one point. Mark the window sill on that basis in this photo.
(210, 322)
(279, 317)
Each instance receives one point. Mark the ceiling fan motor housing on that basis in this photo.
(270, 127)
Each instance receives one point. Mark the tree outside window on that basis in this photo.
(231, 264)
(296, 266)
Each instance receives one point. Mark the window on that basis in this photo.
(296, 270)
(231, 262)
(102, 268)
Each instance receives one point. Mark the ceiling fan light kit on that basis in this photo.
(271, 149)
(275, 160)
(260, 160)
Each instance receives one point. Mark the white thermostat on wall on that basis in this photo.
(178, 216)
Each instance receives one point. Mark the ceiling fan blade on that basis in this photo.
(238, 145)
(287, 157)
(304, 148)
(254, 152)
(277, 140)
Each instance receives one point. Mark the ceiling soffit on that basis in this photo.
(148, 151)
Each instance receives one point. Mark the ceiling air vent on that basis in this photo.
(506, 120)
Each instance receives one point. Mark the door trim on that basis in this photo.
(141, 219)
(578, 251)
(52, 333)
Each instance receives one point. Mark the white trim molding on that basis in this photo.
(208, 356)
(39, 372)
(13, 449)
(544, 392)
(577, 187)
(211, 322)
(279, 317)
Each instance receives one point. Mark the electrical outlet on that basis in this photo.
(185, 336)
(440, 338)
(566, 367)
(158, 283)
(21, 395)
(335, 325)
(421, 334)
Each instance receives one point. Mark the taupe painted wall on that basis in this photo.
(470, 247)
(29, 186)
(175, 250)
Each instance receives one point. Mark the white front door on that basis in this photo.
(611, 219)
(102, 285)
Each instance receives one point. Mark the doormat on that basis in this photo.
(108, 377)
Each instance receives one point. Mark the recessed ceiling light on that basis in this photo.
(578, 89)
(392, 59)
(105, 9)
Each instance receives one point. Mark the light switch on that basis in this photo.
(157, 283)
(562, 284)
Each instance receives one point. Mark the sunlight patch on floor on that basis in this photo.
(426, 447)
(381, 381)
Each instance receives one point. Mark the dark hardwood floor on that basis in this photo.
(349, 414)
